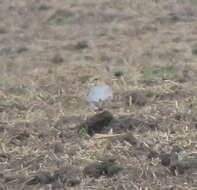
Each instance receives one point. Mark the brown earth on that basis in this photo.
(51, 51)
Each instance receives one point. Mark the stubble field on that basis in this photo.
(50, 53)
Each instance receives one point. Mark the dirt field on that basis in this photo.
(50, 53)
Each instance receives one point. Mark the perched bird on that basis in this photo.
(99, 94)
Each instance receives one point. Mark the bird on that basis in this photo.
(99, 94)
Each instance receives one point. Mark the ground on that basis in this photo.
(50, 54)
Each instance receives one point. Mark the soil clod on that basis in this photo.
(97, 123)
